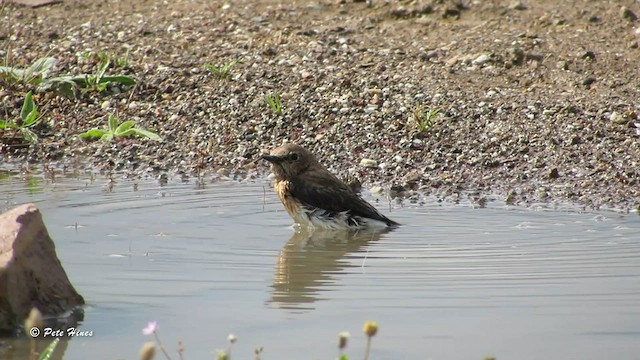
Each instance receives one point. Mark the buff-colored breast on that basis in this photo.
(292, 206)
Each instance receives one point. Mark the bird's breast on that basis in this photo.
(291, 204)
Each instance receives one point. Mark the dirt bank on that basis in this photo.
(538, 101)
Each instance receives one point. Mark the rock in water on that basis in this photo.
(30, 273)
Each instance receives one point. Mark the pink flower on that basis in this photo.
(151, 328)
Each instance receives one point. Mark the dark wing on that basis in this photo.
(330, 194)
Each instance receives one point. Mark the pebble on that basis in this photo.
(481, 60)
(618, 118)
(368, 163)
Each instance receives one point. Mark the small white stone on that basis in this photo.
(368, 163)
(370, 109)
(617, 118)
(482, 59)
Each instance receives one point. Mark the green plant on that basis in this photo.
(28, 119)
(98, 82)
(117, 61)
(122, 61)
(275, 103)
(115, 130)
(424, 120)
(222, 72)
(34, 74)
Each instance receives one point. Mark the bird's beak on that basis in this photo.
(272, 158)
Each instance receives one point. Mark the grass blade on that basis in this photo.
(48, 351)
(113, 123)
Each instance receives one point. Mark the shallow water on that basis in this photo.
(455, 282)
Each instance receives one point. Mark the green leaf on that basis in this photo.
(39, 70)
(107, 137)
(80, 80)
(4, 125)
(28, 107)
(48, 351)
(6, 70)
(124, 127)
(124, 80)
(32, 119)
(63, 85)
(93, 134)
(148, 134)
(102, 86)
(29, 136)
(113, 123)
(89, 81)
(13, 74)
(127, 133)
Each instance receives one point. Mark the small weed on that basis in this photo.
(115, 130)
(35, 74)
(424, 120)
(28, 119)
(98, 82)
(222, 72)
(117, 61)
(275, 103)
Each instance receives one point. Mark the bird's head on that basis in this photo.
(290, 160)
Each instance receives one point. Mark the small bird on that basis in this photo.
(315, 197)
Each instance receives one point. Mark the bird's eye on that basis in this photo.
(294, 156)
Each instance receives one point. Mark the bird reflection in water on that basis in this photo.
(309, 261)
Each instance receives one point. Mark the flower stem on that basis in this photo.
(368, 349)
(155, 334)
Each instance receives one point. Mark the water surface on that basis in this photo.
(455, 282)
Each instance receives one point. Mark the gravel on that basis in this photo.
(538, 101)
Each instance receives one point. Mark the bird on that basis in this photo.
(316, 198)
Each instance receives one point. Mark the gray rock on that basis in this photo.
(30, 273)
